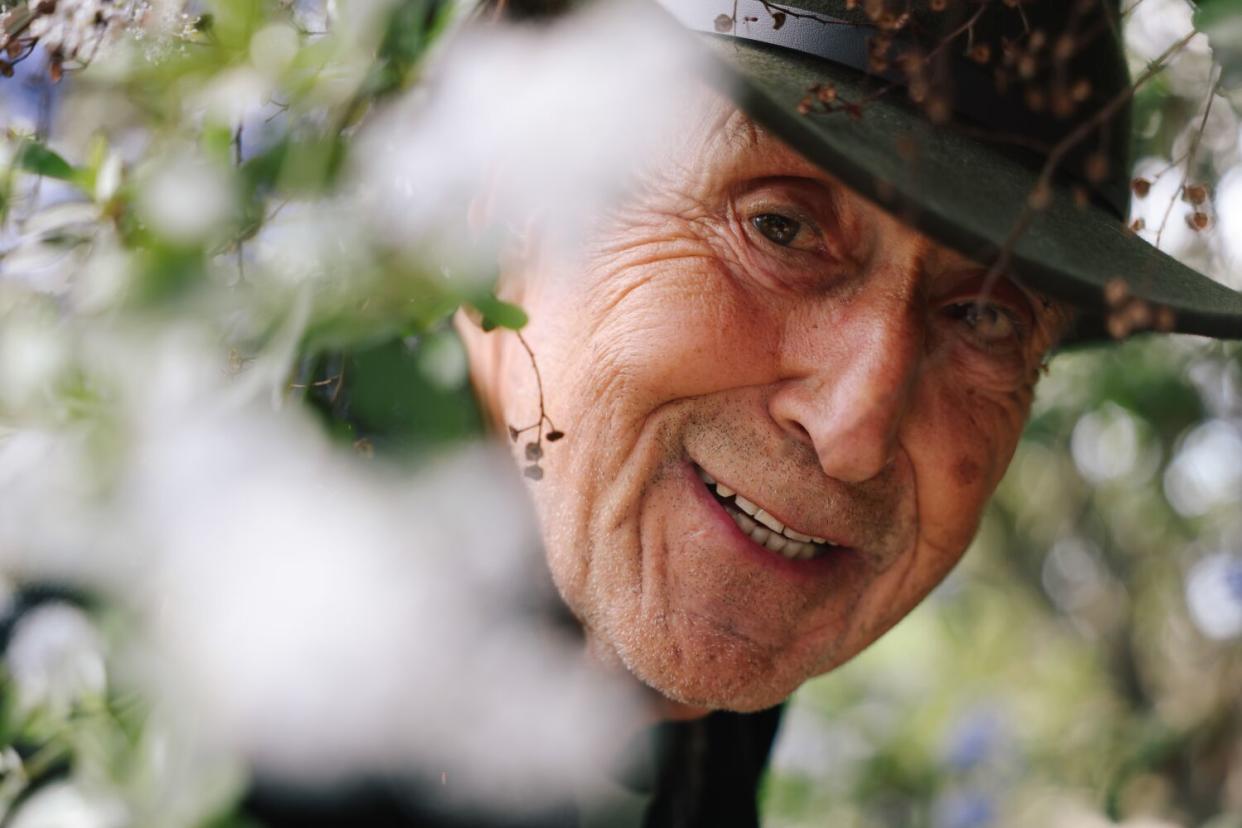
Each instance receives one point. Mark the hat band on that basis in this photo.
(847, 43)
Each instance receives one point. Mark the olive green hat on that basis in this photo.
(999, 127)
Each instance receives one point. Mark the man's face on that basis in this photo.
(745, 319)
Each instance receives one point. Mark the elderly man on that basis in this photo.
(794, 364)
(791, 366)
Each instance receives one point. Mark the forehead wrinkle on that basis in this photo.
(736, 144)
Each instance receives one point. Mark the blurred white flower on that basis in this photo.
(1228, 233)
(1072, 574)
(55, 659)
(319, 615)
(45, 522)
(525, 122)
(324, 617)
(234, 95)
(1111, 443)
(1152, 26)
(1206, 471)
(69, 805)
(319, 242)
(186, 199)
(1214, 595)
(273, 48)
(33, 354)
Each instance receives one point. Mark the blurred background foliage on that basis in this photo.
(203, 167)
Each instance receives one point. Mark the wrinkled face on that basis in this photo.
(853, 389)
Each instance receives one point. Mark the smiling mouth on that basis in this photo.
(763, 528)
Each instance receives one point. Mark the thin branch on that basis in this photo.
(534, 449)
(1190, 156)
(237, 160)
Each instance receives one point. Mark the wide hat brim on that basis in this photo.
(972, 195)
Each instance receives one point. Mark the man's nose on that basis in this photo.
(849, 395)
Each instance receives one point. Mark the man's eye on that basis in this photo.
(776, 228)
(989, 323)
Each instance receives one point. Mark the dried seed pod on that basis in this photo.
(1063, 49)
(1141, 187)
(980, 53)
(938, 109)
(1096, 167)
(723, 23)
(1118, 326)
(554, 435)
(1138, 314)
(534, 472)
(1040, 197)
(917, 90)
(1195, 193)
(1165, 320)
(1197, 220)
(534, 451)
(1116, 291)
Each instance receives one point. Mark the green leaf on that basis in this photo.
(498, 314)
(35, 158)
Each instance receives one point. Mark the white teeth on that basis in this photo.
(773, 541)
(769, 521)
(764, 529)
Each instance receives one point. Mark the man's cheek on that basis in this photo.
(670, 345)
(960, 450)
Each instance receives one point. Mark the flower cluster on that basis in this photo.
(71, 31)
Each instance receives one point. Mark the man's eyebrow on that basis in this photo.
(739, 131)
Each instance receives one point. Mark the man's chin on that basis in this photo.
(716, 671)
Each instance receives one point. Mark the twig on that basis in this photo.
(534, 449)
(237, 160)
(1190, 157)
